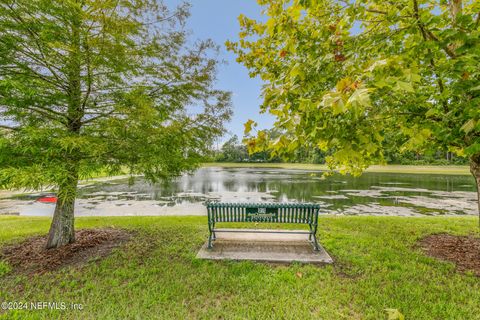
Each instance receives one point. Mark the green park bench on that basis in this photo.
(299, 213)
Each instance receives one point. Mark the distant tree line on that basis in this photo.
(234, 150)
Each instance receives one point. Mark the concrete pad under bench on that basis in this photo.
(278, 247)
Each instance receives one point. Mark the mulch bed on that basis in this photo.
(30, 256)
(464, 251)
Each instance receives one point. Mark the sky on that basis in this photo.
(217, 20)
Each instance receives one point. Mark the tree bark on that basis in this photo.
(475, 170)
(455, 9)
(62, 229)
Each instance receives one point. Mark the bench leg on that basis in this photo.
(313, 234)
(211, 236)
(316, 247)
(210, 242)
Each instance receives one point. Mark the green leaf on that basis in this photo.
(394, 314)
(271, 23)
(381, 83)
(334, 100)
(297, 72)
(377, 64)
(415, 77)
(248, 126)
(468, 126)
(338, 106)
(431, 112)
(473, 149)
(360, 97)
(404, 86)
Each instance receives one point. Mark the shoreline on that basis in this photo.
(412, 169)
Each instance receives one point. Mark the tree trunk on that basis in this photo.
(62, 229)
(475, 170)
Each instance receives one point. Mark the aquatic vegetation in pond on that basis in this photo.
(372, 193)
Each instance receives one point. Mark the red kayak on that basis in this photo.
(48, 199)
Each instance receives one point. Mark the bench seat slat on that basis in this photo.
(286, 213)
(264, 212)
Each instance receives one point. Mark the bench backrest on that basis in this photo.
(263, 212)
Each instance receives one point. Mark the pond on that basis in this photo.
(370, 194)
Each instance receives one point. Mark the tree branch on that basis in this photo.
(48, 113)
(35, 38)
(103, 115)
(33, 74)
(161, 20)
(432, 61)
(376, 11)
(455, 9)
(89, 74)
(427, 34)
(9, 128)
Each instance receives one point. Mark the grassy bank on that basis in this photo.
(454, 170)
(156, 276)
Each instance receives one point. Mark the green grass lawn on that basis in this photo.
(455, 170)
(156, 275)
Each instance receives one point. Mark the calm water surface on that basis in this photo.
(372, 193)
